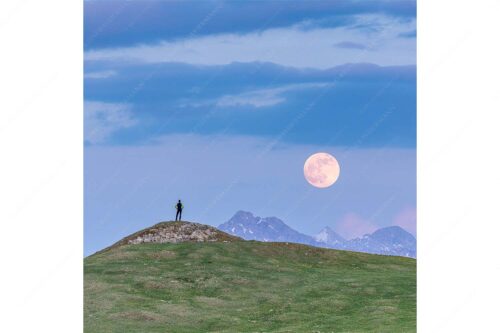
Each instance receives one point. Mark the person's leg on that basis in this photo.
(180, 215)
(177, 215)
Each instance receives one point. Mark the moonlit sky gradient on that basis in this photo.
(219, 103)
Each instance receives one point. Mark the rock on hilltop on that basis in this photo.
(177, 232)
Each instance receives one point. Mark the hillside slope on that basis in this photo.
(246, 286)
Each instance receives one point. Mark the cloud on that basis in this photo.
(182, 98)
(264, 97)
(103, 119)
(111, 24)
(409, 34)
(293, 46)
(350, 45)
(352, 225)
(99, 75)
(407, 219)
(257, 98)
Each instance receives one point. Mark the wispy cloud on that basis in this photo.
(409, 34)
(352, 225)
(256, 98)
(292, 46)
(264, 97)
(99, 74)
(407, 219)
(103, 119)
(240, 98)
(125, 23)
(350, 45)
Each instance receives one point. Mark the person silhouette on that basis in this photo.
(179, 207)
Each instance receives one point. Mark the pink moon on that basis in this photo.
(321, 170)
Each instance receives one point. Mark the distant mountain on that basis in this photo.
(392, 240)
(330, 238)
(268, 229)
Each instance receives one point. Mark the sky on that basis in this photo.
(219, 103)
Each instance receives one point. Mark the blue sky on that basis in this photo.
(219, 103)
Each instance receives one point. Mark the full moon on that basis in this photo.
(321, 170)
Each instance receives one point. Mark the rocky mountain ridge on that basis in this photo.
(392, 240)
(268, 229)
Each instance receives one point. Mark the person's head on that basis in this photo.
(179, 200)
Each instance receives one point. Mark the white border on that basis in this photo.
(41, 168)
(458, 166)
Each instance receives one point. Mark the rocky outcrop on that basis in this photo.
(177, 232)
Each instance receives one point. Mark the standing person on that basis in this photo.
(179, 207)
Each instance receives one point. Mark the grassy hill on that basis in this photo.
(246, 286)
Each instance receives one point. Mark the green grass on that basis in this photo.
(247, 286)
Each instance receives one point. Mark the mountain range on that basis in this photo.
(392, 240)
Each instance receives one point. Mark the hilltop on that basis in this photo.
(186, 277)
(176, 232)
